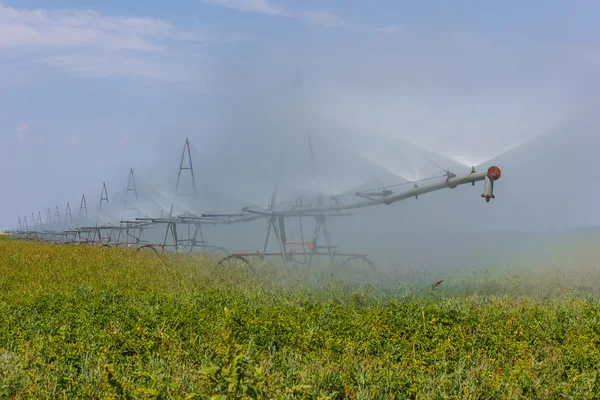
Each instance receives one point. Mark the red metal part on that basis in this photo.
(494, 173)
(311, 246)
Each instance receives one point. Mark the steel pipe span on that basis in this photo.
(452, 181)
(134, 228)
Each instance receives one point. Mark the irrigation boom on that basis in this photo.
(184, 231)
(451, 181)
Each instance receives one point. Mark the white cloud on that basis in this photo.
(92, 44)
(88, 65)
(22, 131)
(187, 70)
(320, 18)
(258, 6)
(124, 139)
(73, 141)
(73, 29)
(16, 35)
(24, 136)
(391, 29)
(265, 7)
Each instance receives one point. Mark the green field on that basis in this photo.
(92, 322)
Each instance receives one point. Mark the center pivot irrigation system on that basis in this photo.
(183, 231)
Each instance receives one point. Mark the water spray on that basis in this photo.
(275, 216)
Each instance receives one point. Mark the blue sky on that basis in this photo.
(89, 89)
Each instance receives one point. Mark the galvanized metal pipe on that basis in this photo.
(450, 182)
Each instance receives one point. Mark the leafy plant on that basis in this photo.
(231, 374)
(93, 322)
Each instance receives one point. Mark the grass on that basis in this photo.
(90, 322)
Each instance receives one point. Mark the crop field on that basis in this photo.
(94, 322)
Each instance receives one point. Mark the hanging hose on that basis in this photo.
(303, 245)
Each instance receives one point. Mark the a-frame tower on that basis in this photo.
(185, 167)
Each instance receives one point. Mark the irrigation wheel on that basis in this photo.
(219, 252)
(147, 248)
(235, 266)
(357, 269)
